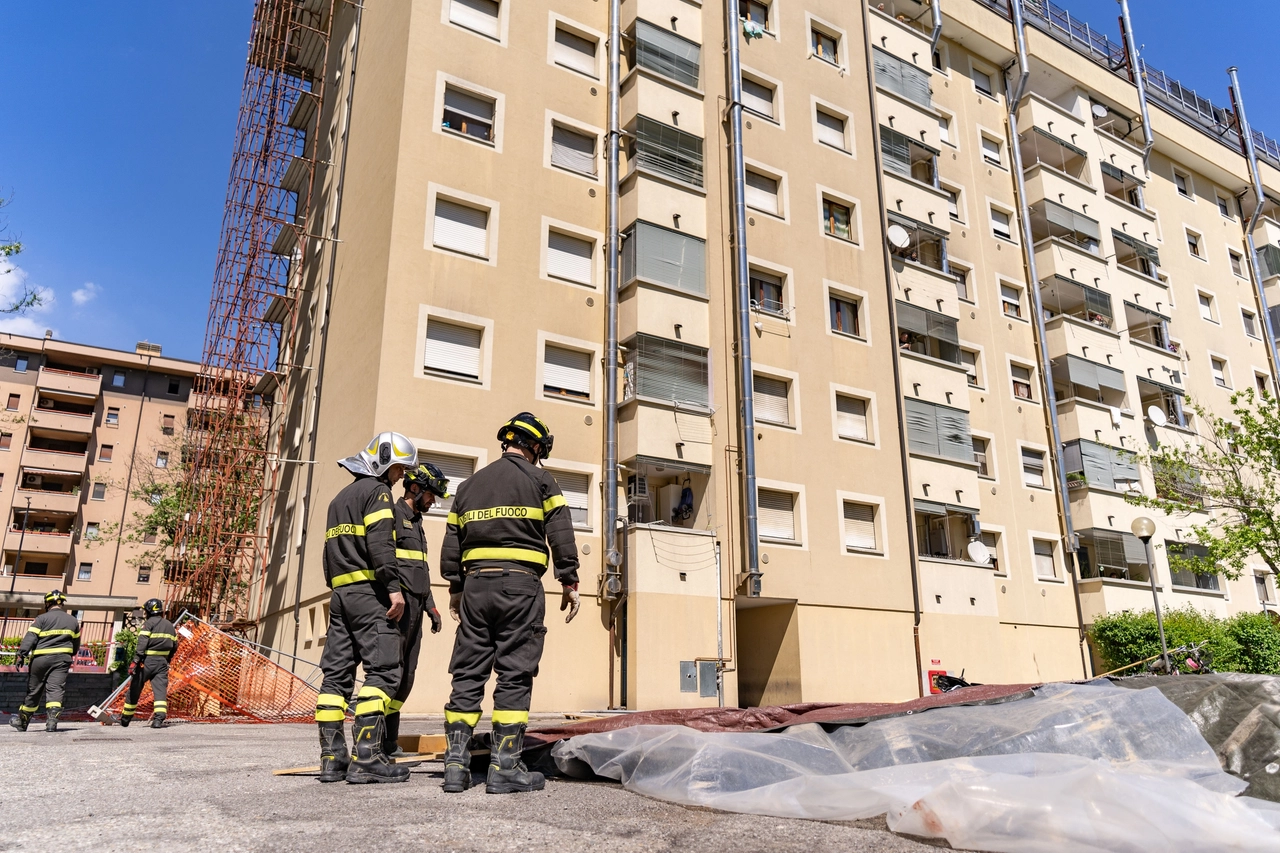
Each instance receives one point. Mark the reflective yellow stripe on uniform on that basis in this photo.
(173, 637)
(330, 708)
(58, 632)
(524, 555)
(507, 718)
(378, 515)
(144, 633)
(352, 577)
(553, 502)
(499, 512)
(33, 630)
(468, 717)
(452, 519)
(157, 653)
(344, 530)
(61, 650)
(371, 700)
(402, 554)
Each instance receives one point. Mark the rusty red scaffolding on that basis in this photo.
(218, 563)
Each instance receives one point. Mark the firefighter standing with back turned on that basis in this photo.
(360, 567)
(422, 485)
(157, 641)
(494, 555)
(49, 644)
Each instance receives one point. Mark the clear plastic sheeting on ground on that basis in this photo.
(1076, 767)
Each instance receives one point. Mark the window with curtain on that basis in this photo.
(837, 219)
(766, 292)
(844, 316)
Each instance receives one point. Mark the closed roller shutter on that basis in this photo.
(567, 372)
(461, 228)
(569, 258)
(573, 151)
(478, 15)
(851, 417)
(757, 97)
(762, 193)
(452, 349)
(831, 130)
(771, 399)
(574, 51)
(777, 515)
(1045, 567)
(455, 468)
(575, 488)
(859, 526)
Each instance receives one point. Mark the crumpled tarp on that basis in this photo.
(1076, 767)
(775, 717)
(1238, 714)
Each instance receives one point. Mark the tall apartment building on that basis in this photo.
(898, 366)
(85, 429)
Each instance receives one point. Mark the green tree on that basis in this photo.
(10, 247)
(1229, 476)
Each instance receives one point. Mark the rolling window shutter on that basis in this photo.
(777, 514)
(576, 490)
(897, 151)
(672, 371)
(762, 192)
(669, 257)
(830, 129)
(573, 51)
(851, 417)
(757, 97)
(1109, 377)
(569, 257)
(1082, 372)
(573, 151)
(456, 469)
(472, 106)
(859, 526)
(452, 349)
(915, 85)
(888, 71)
(1044, 559)
(922, 427)
(1032, 467)
(462, 229)
(912, 318)
(954, 439)
(478, 15)
(991, 148)
(771, 399)
(567, 370)
(1134, 550)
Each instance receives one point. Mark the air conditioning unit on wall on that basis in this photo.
(32, 479)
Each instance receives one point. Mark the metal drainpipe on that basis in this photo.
(936, 8)
(1033, 288)
(1251, 155)
(742, 292)
(324, 334)
(1135, 74)
(613, 559)
(903, 455)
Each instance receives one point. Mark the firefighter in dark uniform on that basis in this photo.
(494, 554)
(360, 567)
(422, 485)
(50, 644)
(157, 641)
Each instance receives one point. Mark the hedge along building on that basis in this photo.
(864, 286)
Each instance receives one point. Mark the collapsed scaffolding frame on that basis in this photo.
(218, 566)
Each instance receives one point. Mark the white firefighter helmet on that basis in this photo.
(386, 449)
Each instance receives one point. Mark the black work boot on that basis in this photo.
(158, 720)
(368, 764)
(125, 720)
(51, 719)
(391, 740)
(457, 757)
(334, 758)
(507, 773)
(20, 721)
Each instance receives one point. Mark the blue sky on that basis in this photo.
(119, 123)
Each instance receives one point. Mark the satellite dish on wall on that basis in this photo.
(978, 553)
(1156, 415)
(898, 237)
(1099, 111)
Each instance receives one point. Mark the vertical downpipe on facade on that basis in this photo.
(1135, 74)
(612, 558)
(742, 296)
(1013, 95)
(1251, 155)
(936, 9)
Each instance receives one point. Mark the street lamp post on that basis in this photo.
(1144, 528)
(13, 583)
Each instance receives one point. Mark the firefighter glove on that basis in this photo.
(455, 606)
(19, 660)
(436, 622)
(396, 610)
(571, 601)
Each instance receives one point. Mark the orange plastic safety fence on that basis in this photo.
(214, 677)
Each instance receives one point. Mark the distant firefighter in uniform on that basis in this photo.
(50, 644)
(494, 554)
(422, 485)
(157, 641)
(360, 567)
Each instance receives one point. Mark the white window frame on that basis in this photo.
(1048, 466)
(994, 206)
(1239, 259)
(484, 324)
(788, 295)
(504, 15)
(949, 119)
(831, 31)
(574, 126)
(792, 378)
(1023, 309)
(1190, 194)
(1257, 323)
(596, 238)
(1055, 541)
(883, 543)
(816, 104)
(583, 32)
(947, 187)
(784, 209)
(1001, 551)
(444, 80)
(990, 74)
(993, 472)
(592, 472)
(1034, 382)
(801, 542)
(849, 294)
(761, 79)
(470, 200)
(1200, 244)
(971, 288)
(985, 136)
(869, 398)
(855, 215)
(979, 365)
(1226, 370)
(592, 348)
(478, 455)
(1221, 198)
(1212, 307)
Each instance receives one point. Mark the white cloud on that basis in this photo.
(13, 282)
(85, 294)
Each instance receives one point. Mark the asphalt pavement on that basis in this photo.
(203, 787)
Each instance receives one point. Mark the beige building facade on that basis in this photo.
(910, 517)
(85, 430)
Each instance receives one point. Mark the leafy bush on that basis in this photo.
(1247, 642)
(127, 638)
